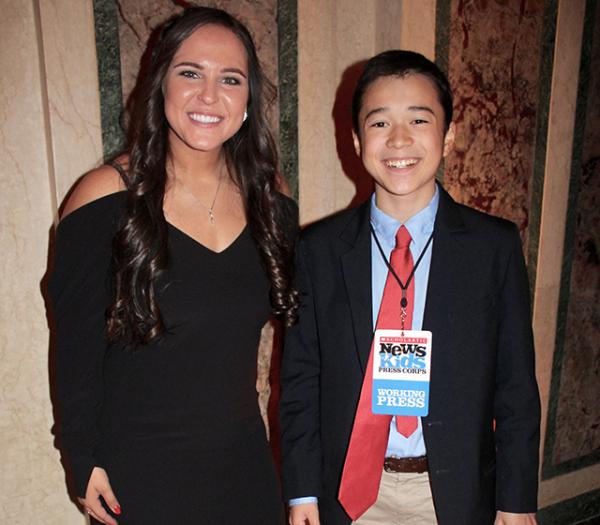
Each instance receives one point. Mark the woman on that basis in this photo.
(164, 275)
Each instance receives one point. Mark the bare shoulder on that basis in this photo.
(282, 185)
(94, 185)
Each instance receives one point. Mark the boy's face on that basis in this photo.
(402, 139)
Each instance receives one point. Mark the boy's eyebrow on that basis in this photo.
(421, 108)
(382, 109)
(375, 111)
(198, 66)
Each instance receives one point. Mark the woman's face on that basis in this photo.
(206, 89)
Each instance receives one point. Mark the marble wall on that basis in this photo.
(50, 135)
(522, 153)
(563, 141)
(527, 150)
(578, 410)
(496, 85)
(573, 439)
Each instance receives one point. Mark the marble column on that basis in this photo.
(49, 137)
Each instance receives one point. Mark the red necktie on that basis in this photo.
(370, 433)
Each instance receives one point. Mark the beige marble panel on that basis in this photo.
(390, 23)
(32, 479)
(552, 230)
(137, 20)
(568, 486)
(69, 50)
(333, 38)
(329, 41)
(263, 380)
(417, 27)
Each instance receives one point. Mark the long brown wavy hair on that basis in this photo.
(140, 245)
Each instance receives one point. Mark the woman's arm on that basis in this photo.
(79, 291)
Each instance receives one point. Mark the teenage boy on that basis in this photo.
(408, 386)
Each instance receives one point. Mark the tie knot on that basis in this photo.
(403, 238)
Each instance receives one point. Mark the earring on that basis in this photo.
(245, 116)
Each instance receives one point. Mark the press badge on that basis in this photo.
(401, 372)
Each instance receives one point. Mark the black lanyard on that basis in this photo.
(403, 287)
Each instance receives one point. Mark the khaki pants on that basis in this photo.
(403, 499)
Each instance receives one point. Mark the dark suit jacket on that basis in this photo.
(482, 366)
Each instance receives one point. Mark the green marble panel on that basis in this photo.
(442, 33)
(109, 75)
(287, 23)
(581, 510)
(442, 50)
(539, 162)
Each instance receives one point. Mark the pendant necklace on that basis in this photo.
(211, 215)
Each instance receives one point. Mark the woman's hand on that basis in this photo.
(98, 485)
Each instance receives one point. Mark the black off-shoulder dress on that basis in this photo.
(176, 423)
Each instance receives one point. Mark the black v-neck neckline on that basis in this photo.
(227, 248)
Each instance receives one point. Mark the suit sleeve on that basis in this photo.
(300, 397)
(78, 292)
(517, 404)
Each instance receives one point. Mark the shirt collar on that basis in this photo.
(419, 225)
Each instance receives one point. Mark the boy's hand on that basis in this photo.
(510, 518)
(304, 514)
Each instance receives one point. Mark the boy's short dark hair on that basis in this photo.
(400, 63)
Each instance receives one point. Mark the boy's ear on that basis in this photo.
(356, 141)
(449, 139)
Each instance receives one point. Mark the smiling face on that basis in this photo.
(402, 141)
(206, 90)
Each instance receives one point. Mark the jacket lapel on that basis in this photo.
(445, 274)
(356, 268)
(446, 264)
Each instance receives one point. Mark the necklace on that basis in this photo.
(211, 215)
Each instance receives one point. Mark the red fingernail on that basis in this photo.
(117, 509)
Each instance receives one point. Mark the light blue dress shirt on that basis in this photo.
(420, 227)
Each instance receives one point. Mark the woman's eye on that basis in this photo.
(420, 121)
(189, 74)
(231, 81)
(378, 125)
